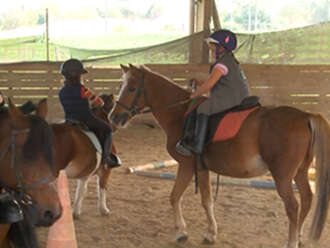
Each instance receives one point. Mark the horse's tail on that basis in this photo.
(320, 129)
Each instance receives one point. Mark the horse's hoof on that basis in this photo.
(294, 246)
(76, 216)
(206, 241)
(182, 239)
(105, 212)
(209, 238)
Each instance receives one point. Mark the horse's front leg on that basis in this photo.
(208, 204)
(184, 176)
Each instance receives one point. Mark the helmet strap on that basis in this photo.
(218, 52)
(72, 79)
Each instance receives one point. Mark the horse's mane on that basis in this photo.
(40, 139)
(148, 70)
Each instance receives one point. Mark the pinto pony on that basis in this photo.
(76, 154)
(282, 140)
(26, 168)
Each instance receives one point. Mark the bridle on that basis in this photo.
(19, 193)
(135, 110)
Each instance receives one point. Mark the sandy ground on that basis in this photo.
(141, 215)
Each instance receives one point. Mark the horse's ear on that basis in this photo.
(124, 68)
(15, 114)
(42, 108)
(111, 97)
(134, 68)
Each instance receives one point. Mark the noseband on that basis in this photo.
(21, 188)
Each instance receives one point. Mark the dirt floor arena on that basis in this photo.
(141, 215)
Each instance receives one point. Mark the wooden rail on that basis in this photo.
(303, 86)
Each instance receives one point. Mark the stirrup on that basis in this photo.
(180, 148)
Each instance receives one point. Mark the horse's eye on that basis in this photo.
(131, 89)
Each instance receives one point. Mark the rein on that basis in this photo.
(134, 110)
(22, 197)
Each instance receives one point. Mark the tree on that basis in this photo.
(320, 11)
(18, 17)
(154, 11)
(246, 15)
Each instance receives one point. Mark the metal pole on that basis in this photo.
(256, 16)
(47, 36)
(215, 15)
(192, 17)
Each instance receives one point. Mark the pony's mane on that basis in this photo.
(40, 139)
(147, 69)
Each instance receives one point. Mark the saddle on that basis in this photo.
(85, 129)
(226, 124)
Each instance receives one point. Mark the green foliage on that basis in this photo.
(41, 19)
(18, 17)
(154, 11)
(321, 11)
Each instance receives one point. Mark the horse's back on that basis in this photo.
(77, 154)
(267, 137)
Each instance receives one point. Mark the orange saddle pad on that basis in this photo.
(230, 124)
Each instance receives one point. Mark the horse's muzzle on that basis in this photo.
(48, 217)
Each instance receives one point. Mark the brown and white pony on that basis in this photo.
(282, 140)
(75, 153)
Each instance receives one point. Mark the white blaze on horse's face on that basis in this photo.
(123, 87)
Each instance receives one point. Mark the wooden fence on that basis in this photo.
(306, 87)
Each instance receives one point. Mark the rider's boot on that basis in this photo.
(200, 133)
(110, 158)
(185, 144)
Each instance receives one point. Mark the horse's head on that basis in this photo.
(132, 96)
(26, 165)
(109, 102)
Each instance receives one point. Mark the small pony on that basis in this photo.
(78, 156)
(282, 140)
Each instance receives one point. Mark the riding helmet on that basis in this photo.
(223, 37)
(72, 67)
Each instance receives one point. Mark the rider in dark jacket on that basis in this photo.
(74, 97)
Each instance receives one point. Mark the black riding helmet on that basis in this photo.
(72, 68)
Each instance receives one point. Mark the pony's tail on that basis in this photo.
(320, 129)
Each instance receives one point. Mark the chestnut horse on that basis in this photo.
(75, 153)
(26, 166)
(282, 140)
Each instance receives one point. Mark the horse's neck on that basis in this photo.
(165, 95)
